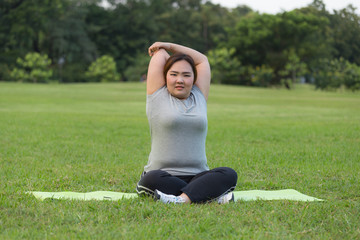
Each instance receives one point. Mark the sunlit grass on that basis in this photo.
(88, 137)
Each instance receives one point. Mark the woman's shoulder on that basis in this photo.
(159, 92)
(197, 92)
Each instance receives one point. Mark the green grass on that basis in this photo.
(88, 137)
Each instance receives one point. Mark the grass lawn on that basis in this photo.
(89, 137)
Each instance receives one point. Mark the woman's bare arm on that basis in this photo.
(201, 62)
(155, 77)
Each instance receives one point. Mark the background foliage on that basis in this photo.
(260, 49)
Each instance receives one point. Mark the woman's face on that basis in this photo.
(180, 79)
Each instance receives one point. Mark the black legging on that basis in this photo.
(200, 188)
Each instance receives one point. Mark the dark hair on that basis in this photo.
(178, 57)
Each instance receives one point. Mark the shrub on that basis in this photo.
(261, 76)
(33, 68)
(332, 74)
(352, 77)
(103, 70)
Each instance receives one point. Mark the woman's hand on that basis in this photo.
(158, 45)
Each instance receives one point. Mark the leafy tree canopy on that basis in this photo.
(263, 49)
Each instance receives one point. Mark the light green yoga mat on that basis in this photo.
(98, 195)
(287, 194)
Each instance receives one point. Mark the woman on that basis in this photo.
(177, 91)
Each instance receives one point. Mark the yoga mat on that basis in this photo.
(98, 195)
(286, 194)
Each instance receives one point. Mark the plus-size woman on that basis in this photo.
(177, 91)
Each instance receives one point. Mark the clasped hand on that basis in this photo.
(158, 45)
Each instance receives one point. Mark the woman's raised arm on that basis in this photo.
(201, 63)
(155, 77)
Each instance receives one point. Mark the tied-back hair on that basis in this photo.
(178, 57)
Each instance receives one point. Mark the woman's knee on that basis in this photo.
(152, 178)
(230, 174)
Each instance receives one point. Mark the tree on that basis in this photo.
(138, 69)
(123, 30)
(55, 28)
(257, 49)
(319, 5)
(67, 35)
(182, 23)
(225, 67)
(294, 69)
(215, 19)
(330, 73)
(263, 39)
(345, 25)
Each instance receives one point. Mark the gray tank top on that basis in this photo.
(178, 131)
